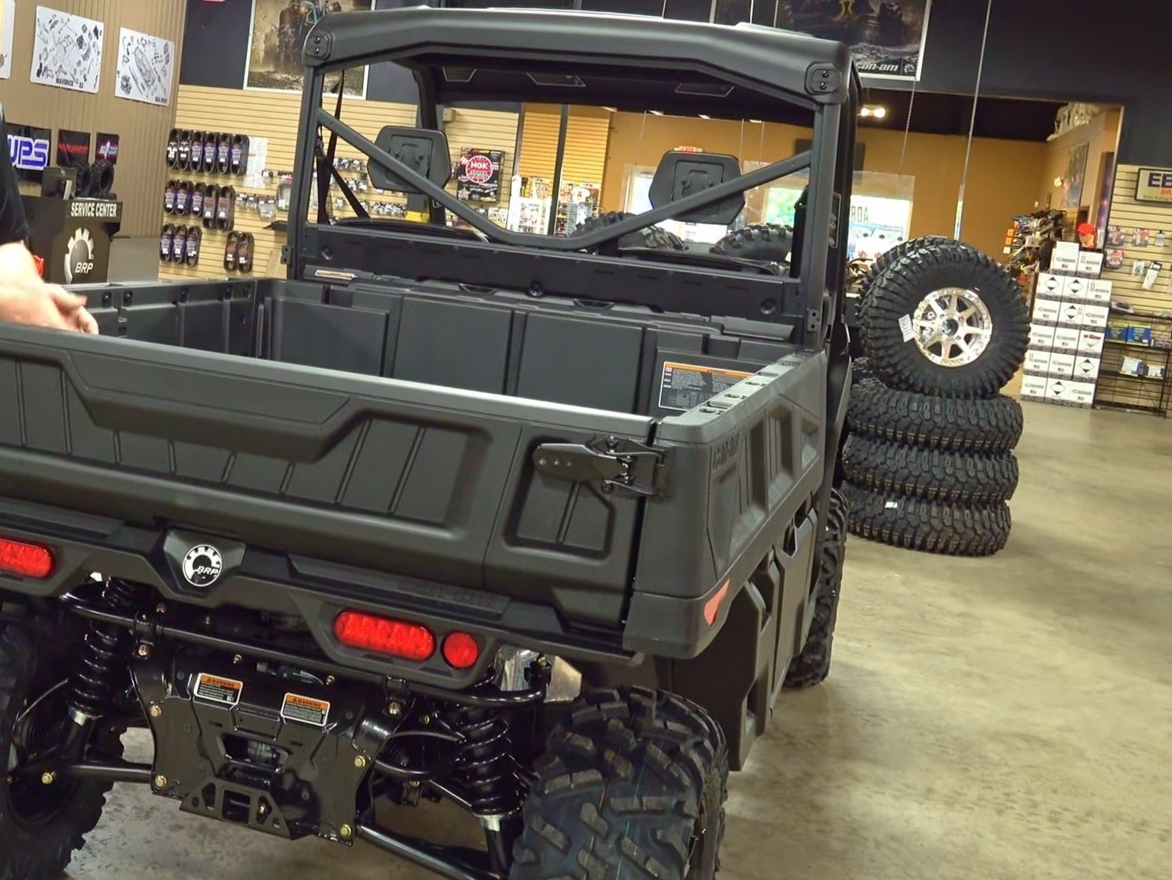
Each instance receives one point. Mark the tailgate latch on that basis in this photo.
(614, 464)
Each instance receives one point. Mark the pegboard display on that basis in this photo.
(270, 120)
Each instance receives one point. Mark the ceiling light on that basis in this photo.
(611, 109)
(872, 110)
(864, 111)
(656, 112)
(880, 112)
(705, 116)
(756, 122)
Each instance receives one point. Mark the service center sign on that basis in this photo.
(1153, 185)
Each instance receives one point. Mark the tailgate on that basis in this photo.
(416, 480)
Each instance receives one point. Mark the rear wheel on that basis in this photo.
(633, 785)
(43, 819)
(813, 665)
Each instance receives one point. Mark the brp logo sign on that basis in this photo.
(202, 565)
(28, 154)
(79, 256)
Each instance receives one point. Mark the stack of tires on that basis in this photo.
(928, 463)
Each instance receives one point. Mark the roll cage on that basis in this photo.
(469, 56)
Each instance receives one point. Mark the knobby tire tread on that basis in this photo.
(933, 474)
(992, 424)
(928, 526)
(620, 789)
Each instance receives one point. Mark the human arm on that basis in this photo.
(24, 296)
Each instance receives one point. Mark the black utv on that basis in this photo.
(537, 525)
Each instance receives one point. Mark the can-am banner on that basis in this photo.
(887, 37)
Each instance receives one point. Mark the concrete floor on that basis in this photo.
(985, 719)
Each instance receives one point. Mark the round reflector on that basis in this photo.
(461, 650)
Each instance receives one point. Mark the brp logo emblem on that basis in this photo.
(202, 565)
(79, 255)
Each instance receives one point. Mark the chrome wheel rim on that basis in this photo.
(952, 327)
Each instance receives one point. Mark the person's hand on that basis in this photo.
(46, 305)
(73, 310)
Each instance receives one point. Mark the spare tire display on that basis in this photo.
(101, 178)
(946, 320)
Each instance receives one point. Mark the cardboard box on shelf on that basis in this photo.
(1086, 369)
(1037, 361)
(1132, 366)
(1071, 314)
(1041, 336)
(1066, 338)
(1050, 286)
(1137, 335)
(1116, 332)
(1079, 393)
(1098, 290)
(1065, 257)
(1033, 387)
(1090, 263)
(1154, 371)
(1091, 342)
(1055, 388)
(1046, 310)
(1075, 289)
(1061, 364)
(1095, 315)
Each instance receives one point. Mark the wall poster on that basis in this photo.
(1076, 172)
(73, 148)
(146, 68)
(67, 51)
(478, 175)
(887, 38)
(276, 38)
(7, 28)
(30, 149)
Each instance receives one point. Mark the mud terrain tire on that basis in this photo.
(928, 526)
(762, 242)
(812, 666)
(628, 785)
(934, 474)
(653, 237)
(993, 424)
(945, 320)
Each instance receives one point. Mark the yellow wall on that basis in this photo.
(1102, 134)
(274, 116)
(140, 174)
(1002, 180)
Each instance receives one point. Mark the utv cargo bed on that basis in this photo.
(553, 471)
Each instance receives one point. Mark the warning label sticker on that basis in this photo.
(305, 710)
(213, 689)
(686, 386)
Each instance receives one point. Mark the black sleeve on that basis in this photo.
(13, 226)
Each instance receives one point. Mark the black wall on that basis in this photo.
(1065, 50)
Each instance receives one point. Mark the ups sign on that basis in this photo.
(1153, 185)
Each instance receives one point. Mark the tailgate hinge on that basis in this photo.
(614, 464)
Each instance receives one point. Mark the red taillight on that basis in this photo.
(368, 632)
(461, 650)
(26, 560)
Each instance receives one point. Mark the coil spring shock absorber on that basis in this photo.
(485, 773)
(93, 684)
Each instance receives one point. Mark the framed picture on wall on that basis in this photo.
(276, 37)
(1076, 172)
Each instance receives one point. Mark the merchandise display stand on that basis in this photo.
(72, 236)
(1071, 308)
(1138, 262)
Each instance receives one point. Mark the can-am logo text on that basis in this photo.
(28, 154)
